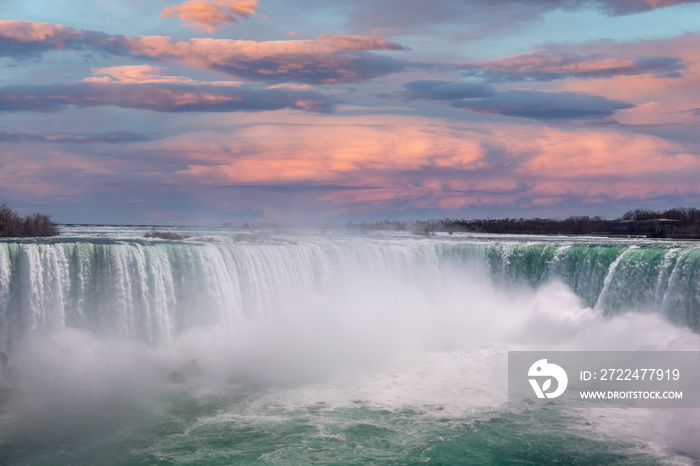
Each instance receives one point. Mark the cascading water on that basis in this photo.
(152, 292)
(329, 348)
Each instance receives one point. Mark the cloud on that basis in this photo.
(326, 60)
(539, 105)
(542, 105)
(22, 39)
(444, 90)
(367, 152)
(645, 158)
(211, 15)
(115, 137)
(629, 7)
(358, 42)
(139, 74)
(319, 61)
(159, 97)
(481, 16)
(541, 65)
(659, 100)
(364, 164)
(393, 163)
(55, 175)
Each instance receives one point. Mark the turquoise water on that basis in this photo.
(231, 428)
(330, 348)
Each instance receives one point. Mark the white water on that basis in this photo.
(388, 321)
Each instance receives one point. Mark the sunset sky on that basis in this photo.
(213, 111)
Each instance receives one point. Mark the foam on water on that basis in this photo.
(389, 342)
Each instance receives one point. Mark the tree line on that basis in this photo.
(12, 225)
(688, 225)
(575, 225)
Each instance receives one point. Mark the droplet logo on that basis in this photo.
(546, 371)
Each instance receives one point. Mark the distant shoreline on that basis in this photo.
(686, 225)
(420, 228)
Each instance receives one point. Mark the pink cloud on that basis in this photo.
(140, 74)
(598, 153)
(370, 163)
(211, 15)
(358, 42)
(542, 65)
(659, 100)
(323, 60)
(352, 154)
(389, 161)
(328, 59)
(52, 173)
(54, 35)
(22, 38)
(658, 78)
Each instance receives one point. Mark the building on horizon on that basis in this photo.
(653, 227)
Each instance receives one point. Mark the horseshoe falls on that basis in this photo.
(329, 348)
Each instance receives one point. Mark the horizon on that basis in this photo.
(208, 112)
(340, 224)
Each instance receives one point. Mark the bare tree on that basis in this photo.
(12, 225)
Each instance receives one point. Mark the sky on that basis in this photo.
(246, 111)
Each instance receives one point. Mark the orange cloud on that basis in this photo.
(211, 15)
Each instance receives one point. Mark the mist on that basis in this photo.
(389, 324)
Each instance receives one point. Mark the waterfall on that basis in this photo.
(153, 291)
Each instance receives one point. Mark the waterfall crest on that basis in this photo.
(151, 292)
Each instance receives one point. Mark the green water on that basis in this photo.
(338, 350)
(232, 427)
